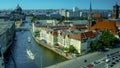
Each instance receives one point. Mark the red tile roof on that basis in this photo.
(104, 25)
(82, 36)
(96, 15)
(80, 26)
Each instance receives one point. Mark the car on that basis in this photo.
(113, 63)
(96, 62)
(113, 58)
(116, 57)
(117, 60)
(90, 65)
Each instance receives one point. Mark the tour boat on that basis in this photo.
(30, 54)
(29, 39)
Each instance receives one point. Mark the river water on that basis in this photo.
(20, 59)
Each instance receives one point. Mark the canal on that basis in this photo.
(20, 59)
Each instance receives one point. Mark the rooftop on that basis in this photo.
(104, 25)
(4, 25)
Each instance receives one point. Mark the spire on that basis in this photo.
(90, 16)
(90, 6)
(116, 3)
(90, 10)
(18, 6)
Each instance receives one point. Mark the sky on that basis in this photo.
(58, 4)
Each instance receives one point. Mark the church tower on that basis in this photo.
(90, 16)
(115, 13)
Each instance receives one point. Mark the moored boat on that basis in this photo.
(30, 54)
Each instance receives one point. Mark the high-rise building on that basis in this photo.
(73, 14)
(63, 12)
(75, 9)
(115, 13)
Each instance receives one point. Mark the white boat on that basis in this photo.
(29, 39)
(30, 54)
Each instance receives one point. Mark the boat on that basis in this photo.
(29, 39)
(30, 54)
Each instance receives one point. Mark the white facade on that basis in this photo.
(62, 12)
(33, 27)
(73, 14)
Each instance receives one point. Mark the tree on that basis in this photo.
(66, 49)
(62, 19)
(72, 49)
(37, 33)
(108, 40)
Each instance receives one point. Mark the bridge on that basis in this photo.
(23, 29)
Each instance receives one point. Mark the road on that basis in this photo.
(80, 61)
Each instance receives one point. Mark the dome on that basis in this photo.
(18, 8)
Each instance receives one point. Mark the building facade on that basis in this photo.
(115, 13)
(7, 34)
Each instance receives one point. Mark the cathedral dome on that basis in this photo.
(18, 9)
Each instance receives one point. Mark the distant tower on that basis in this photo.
(18, 9)
(90, 16)
(75, 9)
(115, 13)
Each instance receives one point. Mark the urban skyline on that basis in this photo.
(58, 4)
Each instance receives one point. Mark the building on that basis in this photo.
(75, 9)
(90, 17)
(73, 14)
(17, 14)
(7, 34)
(63, 12)
(115, 13)
(96, 16)
(65, 36)
(105, 25)
(41, 15)
(81, 41)
(7, 30)
(55, 15)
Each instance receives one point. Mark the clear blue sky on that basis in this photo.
(57, 4)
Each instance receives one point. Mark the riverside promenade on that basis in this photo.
(56, 50)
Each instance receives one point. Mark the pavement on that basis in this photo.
(117, 65)
(80, 61)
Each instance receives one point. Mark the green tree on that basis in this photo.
(37, 33)
(108, 40)
(72, 49)
(66, 49)
(62, 19)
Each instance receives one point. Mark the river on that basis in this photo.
(20, 59)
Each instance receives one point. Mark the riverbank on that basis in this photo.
(58, 51)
